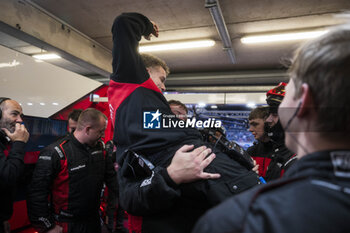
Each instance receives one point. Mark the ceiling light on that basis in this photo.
(251, 105)
(201, 104)
(46, 56)
(176, 46)
(55, 104)
(30, 104)
(282, 37)
(42, 104)
(9, 64)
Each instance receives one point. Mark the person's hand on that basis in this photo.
(155, 31)
(256, 167)
(188, 166)
(56, 229)
(20, 133)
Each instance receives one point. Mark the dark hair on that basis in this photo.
(261, 112)
(324, 64)
(153, 61)
(176, 102)
(90, 116)
(74, 115)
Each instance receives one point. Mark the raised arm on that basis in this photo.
(127, 30)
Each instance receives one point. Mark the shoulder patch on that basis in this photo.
(59, 152)
(341, 163)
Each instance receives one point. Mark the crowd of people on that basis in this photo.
(183, 179)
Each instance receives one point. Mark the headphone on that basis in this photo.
(2, 99)
(291, 135)
(293, 116)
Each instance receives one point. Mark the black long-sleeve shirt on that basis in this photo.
(313, 196)
(11, 167)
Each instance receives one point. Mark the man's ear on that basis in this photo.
(87, 129)
(306, 100)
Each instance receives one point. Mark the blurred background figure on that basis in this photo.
(179, 109)
(281, 158)
(261, 151)
(257, 119)
(73, 119)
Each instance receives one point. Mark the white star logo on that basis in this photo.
(156, 115)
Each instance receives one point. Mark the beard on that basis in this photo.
(7, 124)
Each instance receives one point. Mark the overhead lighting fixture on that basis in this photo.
(9, 64)
(201, 105)
(282, 37)
(216, 13)
(177, 45)
(46, 56)
(251, 105)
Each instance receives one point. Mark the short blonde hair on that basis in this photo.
(153, 61)
(324, 64)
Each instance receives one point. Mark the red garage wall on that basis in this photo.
(85, 103)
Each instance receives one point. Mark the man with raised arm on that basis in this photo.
(136, 89)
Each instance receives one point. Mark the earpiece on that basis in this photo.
(294, 114)
(2, 99)
(299, 105)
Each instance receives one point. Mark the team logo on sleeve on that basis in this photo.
(151, 120)
(341, 163)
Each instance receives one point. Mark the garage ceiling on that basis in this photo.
(180, 20)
